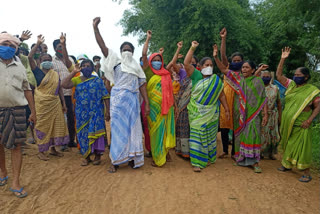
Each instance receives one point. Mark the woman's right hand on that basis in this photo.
(96, 22)
(194, 44)
(40, 39)
(285, 52)
(76, 69)
(215, 50)
(149, 34)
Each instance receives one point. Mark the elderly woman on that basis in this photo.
(270, 136)
(128, 79)
(252, 99)
(91, 97)
(302, 105)
(51, 129)
(204, 110)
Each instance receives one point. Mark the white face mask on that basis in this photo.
(207, 71)
(126, 55)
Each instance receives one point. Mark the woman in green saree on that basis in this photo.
(302, 104)
(252, 99)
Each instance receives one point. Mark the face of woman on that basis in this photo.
(193, 61)
(45, 58)
(207, 63)
(86, 65)
(266, 74)
(247, 71)
(236, 59)
(298, 73)
(156, 59)
(126, 48)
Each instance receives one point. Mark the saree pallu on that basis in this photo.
(145, 127)
(161, 127)
(89, 113)
(51, 128)
(182, 123)
(296, 141)
(270, 136)
(224, 122)
(251, 99)
(204, 111)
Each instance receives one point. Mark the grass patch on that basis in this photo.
(316, 145)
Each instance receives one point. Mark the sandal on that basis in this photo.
(57, 154)
(19, 195)
(308, 177)
(257, 169)
(96, 162)
(131, 164)
(113, 168)
(196, 169)
(283, 169)
(3, 181)
(85, 162)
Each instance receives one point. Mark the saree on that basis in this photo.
(224, 122)
(89, 111)
(270, 136)
(51, 128)
(296, 142)
(204, 110)
(161, 126)
(251, 98)
(182, 122)
(126, 127)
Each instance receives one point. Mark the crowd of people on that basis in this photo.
(66, 102)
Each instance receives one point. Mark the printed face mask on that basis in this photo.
(87, 72)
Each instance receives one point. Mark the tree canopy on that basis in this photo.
(258, 30)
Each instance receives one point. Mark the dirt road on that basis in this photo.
(61, 185)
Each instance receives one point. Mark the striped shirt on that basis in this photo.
(60, 67)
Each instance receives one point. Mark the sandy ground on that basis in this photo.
(61, 185)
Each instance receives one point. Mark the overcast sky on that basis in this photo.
(50, 18)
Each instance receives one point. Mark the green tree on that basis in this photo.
(201, 20)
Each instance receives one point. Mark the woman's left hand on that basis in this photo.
(306, 124)
(64, 108)
(228, 115)
(107, 115)
(147, 109)
(264, 120)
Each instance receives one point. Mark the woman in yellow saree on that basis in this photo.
(51, 129)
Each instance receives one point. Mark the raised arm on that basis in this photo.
(25, 35)
(32, 63)
(187, 60)
(223, 53)
(176, 57)
(66, 82)
(64, 50)
(223, 68)
(145, 50)
(263, 67)
(285, 54)
(98, 36)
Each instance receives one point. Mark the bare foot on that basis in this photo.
(272, 157)
(54, 152)
(209, 163)
(97, 159)
(86, 161)
(169, 159)
(154, 164)
(113, 169)
(196, 169)
(42, 156)
(222, 155)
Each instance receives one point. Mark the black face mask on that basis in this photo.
(266, 80)
(194, 65)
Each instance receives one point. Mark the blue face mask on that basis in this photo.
(266, 80)
(7, 52)
(46, 65)
(156, 65)
(299, 80)
(235, 66)
(87, 72)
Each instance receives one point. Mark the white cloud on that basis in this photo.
(74, 18)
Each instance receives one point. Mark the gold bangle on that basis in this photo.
(193, 48)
